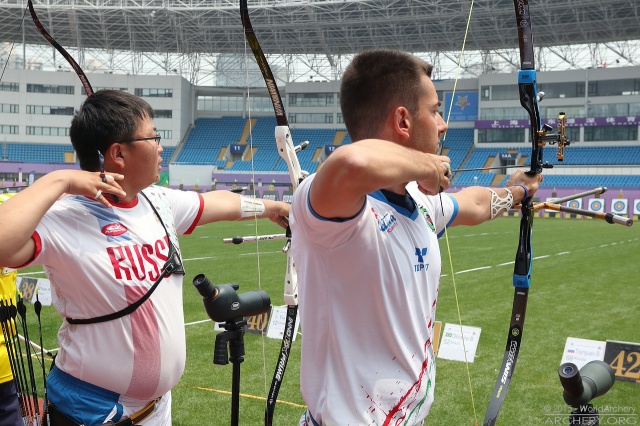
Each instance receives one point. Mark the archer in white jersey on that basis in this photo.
(368, 295)
(104, 235)
(365, 230)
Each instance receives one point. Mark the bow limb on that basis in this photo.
(287, 152)
(527, 87)
(63, 52)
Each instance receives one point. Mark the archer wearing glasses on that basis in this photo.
(122, 345)
(156, 138)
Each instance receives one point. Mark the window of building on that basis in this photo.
(260, 104)
(485, 93)
(122, 89)
(627, 86)
(221, 103)
(11, 108)
(234, 103)
(340, 118)
(154, 93)
(501, 135)
(163, 113)
(507, 113)
(610, 133)
(9, 87)
(573, 134)
(573, 111)
(608, 110)
(7, 129)
(47, 131)
(561, 90)
(50, 88)
(311, 99)
(311, 118)
(165, 134)
(504, 92)
(49, 110)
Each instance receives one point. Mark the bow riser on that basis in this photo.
(287, 152)
(528, 99)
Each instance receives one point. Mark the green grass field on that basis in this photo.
(584, 284)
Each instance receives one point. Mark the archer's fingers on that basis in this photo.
(283, 222)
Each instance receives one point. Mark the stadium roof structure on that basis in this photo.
(188, 36)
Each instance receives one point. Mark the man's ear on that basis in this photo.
(402, 122)
(115, 157)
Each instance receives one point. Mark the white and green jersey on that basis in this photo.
(368, 288)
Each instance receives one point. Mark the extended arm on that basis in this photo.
(355, 170)
(228, 206)
(478, 204)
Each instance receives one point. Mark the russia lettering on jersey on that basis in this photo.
(137, 262)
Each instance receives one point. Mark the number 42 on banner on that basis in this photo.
(624, 358)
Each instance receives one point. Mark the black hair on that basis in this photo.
(374, 82)
(106, 117)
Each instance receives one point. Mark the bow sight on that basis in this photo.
(559, 138)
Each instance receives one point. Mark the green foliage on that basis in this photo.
(583, 285)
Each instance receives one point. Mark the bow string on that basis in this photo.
(287, 152)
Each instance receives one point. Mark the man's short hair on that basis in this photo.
(376, 81)
(106, 117)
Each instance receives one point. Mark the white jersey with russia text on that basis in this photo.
(100, 260)
(368, 288)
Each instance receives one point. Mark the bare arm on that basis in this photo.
(474, 203)
(225, 206)
(21, 214)
(355, 170)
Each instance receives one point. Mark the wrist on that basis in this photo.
(251, 207)
(526, 190)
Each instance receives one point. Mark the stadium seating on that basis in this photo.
(37, 152)
(458, 143)
(578, 156)
(53, 154)
(211, 136)
(207, 137)
(204, 144)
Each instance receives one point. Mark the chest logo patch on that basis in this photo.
(421, 266)
(424, 213)
(114, 229)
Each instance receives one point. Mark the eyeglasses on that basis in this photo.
(101, 162)
(156, 138)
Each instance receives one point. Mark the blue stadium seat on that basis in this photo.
(37, 152)
(210, 135)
